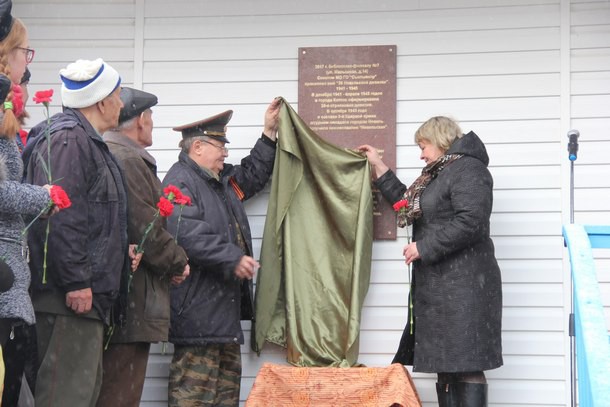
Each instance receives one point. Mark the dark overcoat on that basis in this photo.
(207, 306)
(147, 308)
(457, 288)
(87, 242)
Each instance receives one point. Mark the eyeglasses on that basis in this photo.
(221, 148)
(29, 54)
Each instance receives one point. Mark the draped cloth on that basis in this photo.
(280, 386)
(316, 250)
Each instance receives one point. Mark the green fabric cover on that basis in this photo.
(316, 250)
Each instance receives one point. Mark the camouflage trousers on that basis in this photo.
(207, 375)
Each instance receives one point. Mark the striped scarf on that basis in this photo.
(413, 193)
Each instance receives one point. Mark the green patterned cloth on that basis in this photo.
(316, 251)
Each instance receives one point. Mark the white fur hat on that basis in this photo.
(84, 83)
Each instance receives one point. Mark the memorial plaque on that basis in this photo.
(347, 95)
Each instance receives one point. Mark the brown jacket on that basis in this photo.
(148, 300)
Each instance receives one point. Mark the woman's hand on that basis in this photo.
(53, 209)
(410, 252)
(372, 154)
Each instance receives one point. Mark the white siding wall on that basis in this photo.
(519, 73)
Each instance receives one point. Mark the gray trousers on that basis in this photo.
(70, 356)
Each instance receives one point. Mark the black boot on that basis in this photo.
(446, 395)
(471, 394)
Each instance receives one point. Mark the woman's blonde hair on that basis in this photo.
(10, 124)
(441, 131)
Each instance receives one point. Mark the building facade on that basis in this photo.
(520, 73)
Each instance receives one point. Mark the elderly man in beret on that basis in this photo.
(162, 262)
(77, 266)
(207, 308)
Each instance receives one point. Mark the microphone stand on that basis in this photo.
(572, 150)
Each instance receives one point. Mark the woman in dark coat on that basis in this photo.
(456, 285)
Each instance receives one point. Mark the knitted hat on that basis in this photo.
(6, 19)
(84, 83)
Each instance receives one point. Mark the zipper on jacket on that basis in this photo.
(188, 290)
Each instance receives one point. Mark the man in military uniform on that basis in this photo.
(206, 309)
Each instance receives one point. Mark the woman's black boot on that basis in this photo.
(471, 394)
(446, 395)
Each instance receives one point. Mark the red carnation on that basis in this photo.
(172, 192)
(43, 96)
(183, 200)
(403, 203)
(60, 197)
(165, 207)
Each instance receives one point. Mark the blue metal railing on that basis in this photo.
(591, 333)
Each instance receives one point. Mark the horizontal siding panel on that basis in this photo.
(531, 271)
(526, 177)
(591, 176)
(547, 200)
(590, 60)
(529, 247)
(488, 63)
(173, 94)
(489, 86)
(388, 295)
(471, 109)
(390, 271)
(375, 319)
(512, 131)
(590, 13)
(520, 392)
(81, 29)
(530, 368)
(533, 343)
(594, 36)
(590, 106)
(198, 25)
(221, 71)
(530, 224)
(592, 128)
(532, 295)
(91, 10)
(286, 46)
(590, 83)
(158, 8)
(532, 319)
(64, 50)
(592, 217)
(591, 199)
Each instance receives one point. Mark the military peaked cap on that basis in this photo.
(215, 126)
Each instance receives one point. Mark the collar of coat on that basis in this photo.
(120, 139)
